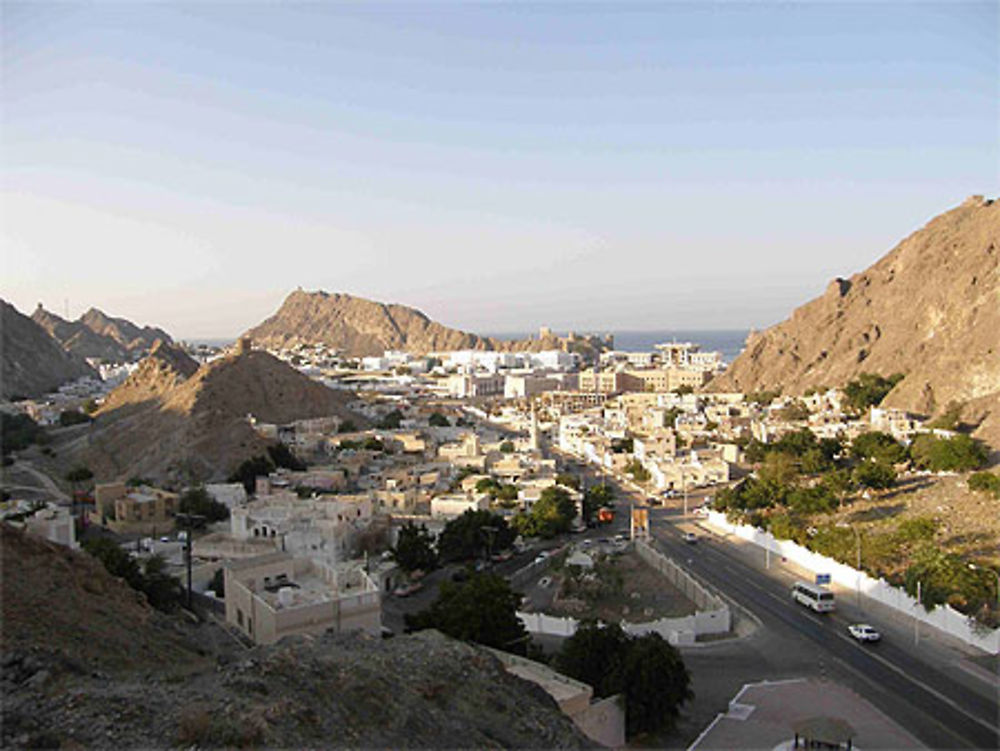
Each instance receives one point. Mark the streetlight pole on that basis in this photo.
(857, 568)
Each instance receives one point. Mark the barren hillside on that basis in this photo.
(359, 327)
(33, 362)
(95, 334)
(929, 309)
(174, 426)
(87, 664)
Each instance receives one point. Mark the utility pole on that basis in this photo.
(916, 621)
(189, 521)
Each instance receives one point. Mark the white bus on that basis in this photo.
(814, 596)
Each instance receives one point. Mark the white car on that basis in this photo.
(690, 537)
(864, 632)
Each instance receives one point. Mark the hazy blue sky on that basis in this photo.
(655, 165)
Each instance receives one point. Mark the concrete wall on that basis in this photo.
(712, 617)
(604, 721)
(944, 618)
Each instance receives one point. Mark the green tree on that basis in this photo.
(879, 446)
(250, 469)
(163, 591)
(488, 485)
(947, 578)
(868, 390)
(18, 432)
(437, 420)
(391, 420)
(79, 474)
(656, 683)
(794, 410)
(957, 454)
(568, 480)
(639, 473)
(647, 671)
(347, 426)
(876, 475)
(468, 536)
(507, 493)
(482, 609)
(507, 447)
(72, 417)
(282, 456)
(594, 498)
(594, 655)
(116, 560)
(198, 501)
(415, 548)
(762, 398)
(551, 514)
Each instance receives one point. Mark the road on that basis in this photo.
(920, 687)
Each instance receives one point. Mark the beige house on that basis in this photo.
(276, 595)
(142, 509)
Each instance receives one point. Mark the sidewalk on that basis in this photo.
(966, 664)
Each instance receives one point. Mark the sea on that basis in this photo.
(727, 341)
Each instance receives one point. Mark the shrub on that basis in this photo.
(984, 482)
(958, 454)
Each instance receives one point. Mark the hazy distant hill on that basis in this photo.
(95, 334)
(930, 309)
(172, 424)
(359, 327)
(33, 362)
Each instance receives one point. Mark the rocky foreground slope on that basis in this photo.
(357, 327)
(33, 363)
(87, 664)
(929, 309)
(96, 334)
(177, 426)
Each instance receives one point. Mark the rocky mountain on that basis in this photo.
(358, 327)
(88, 664)
(33, 362)
(929, 309)
(95, 334)
(176, 425)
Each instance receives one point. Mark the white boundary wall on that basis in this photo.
(715, 618)
(943, 617)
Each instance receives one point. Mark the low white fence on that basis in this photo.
(712, 616)
(943, 617)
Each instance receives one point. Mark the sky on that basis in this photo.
(500, 166)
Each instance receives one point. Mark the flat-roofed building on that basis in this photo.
(276, 595)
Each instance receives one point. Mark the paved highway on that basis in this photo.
(896, 676)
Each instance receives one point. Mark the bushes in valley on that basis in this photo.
(282, 456)
(472, 534)
(17, 432)
(72, 417)
(868, 390)
(163, 591)
(984, 482)
(959, 453)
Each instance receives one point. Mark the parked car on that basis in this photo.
(690, 537)
(864, 632)
(542, 556)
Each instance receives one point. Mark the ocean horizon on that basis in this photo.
(727, 341)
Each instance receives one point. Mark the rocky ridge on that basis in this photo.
(87, 663)
(930, 309)
(358, 327)
(33, 363)
(96, 334)
(176, 426)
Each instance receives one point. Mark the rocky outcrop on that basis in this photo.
(357, 327)
(95, 334)
(87, 664)
(929, 309)
(33, 362)
(176, 426)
